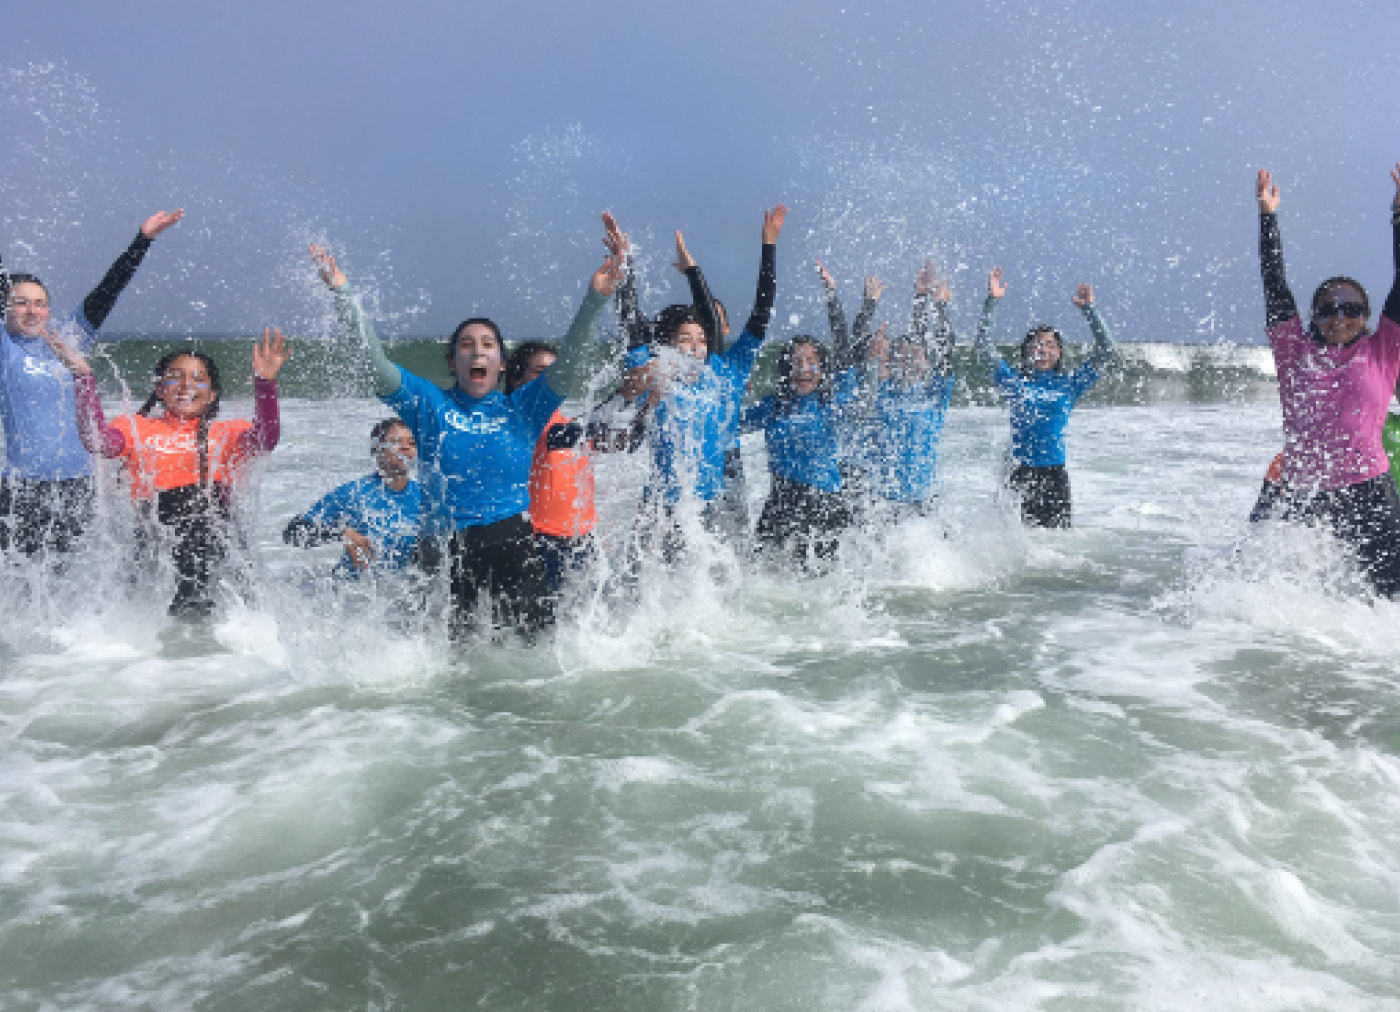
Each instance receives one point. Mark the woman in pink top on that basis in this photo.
(1335, 380)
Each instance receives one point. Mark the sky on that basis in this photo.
(457, 155)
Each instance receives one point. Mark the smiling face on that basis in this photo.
(1340, 314)
(395, 452)
(28, 311)
(806, 371)
(690, 340)
(1042, 351)
(185, 388)
(476, 359)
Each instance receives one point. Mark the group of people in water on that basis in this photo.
(503, 509)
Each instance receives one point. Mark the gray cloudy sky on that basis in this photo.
(458, 154)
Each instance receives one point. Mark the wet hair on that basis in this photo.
(1030, 337)
(520, 359)
(20, 278)
(669, 322)
(211, 369)
(381, 429)
(786, 395)
(479, 321)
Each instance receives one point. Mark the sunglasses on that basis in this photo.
(1351, 310)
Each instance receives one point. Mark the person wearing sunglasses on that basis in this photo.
(182, 465)
(46, 488)
(1336, 377)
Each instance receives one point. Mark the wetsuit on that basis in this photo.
(1390, 439)
(1334, 400)
(180, 481)
(696, 423)
(908, 418)
(855, 426)
(475, 456)
(46, 489)
(1041, 401)
(1271, 494)
(366, 506)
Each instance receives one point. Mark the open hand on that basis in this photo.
(925, 278)
(874, 288)
(996, 285)
(359, 548)
(332, 275)
(270, 354)
(614, 238)
(773, 224)
(684, 261)
(608, 278)
(1268, 192)
(1084, 296)
(71, 358)
(160, 221)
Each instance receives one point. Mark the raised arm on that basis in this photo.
(269, 356)
(1104, 348)
(1392, 301)
(636, 329)
(97, 436)
(100, 301)
(928, 286)
(387, 378)
(767, 292)
(869, 302)
(700, 297)
(569, 375)
(982, 343)
(1278, 299)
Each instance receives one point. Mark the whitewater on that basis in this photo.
(1149, 763)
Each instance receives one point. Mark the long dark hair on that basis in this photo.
(206, 416)
(786, 397)
(479, 320)
(1059, 365)
(670, 320)
(519, 361)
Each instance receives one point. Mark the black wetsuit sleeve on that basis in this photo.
(635, 327)
(4, 287)
(98, 305)
(941, 345)
(767, 292)
(860, 330)
(844, 349)
(303, 533)
(1278, 300)
(706, 309)
(1392, 301)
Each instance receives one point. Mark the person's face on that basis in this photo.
(539, 362)
(690, 340)
(1340, 314)
(476, 360)
(396, 452)
(184, 388)
(28, 311)
(1043, 352)
(806, 374)
(909, 362)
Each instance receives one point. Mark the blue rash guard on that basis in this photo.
(369, 507)
(906, 425)
(475, 453)
(694, 424)
(1041, 400)
(805, 442)
(38, 405)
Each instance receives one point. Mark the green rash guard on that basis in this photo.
(1390, 439)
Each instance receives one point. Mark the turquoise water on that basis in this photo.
(1145, 764)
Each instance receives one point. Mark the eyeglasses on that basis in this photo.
(1351, 310)
(175, 381)
(23, 303)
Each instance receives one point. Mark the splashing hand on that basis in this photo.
(1084, 296)
(1267, 192)
(773, 224)
(332, 275)
(614, 238)
(684, 261)
(925, 278)
(160, 221)
(608, 278)
(874, 288)
(270, 354)
(996, 285)
(359, 548)
(71, 358)
(825, 275)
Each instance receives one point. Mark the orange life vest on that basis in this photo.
(163, 453)
(561, 488)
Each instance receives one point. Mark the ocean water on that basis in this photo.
(1152, 763)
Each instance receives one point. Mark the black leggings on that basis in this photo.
(501, 560)
(1365, 516)
(1044, 493)
(43, 515)
(200, 524)
(805, 521)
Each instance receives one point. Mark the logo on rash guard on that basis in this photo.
(176, 442)
(475, 425)
(38, 367)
